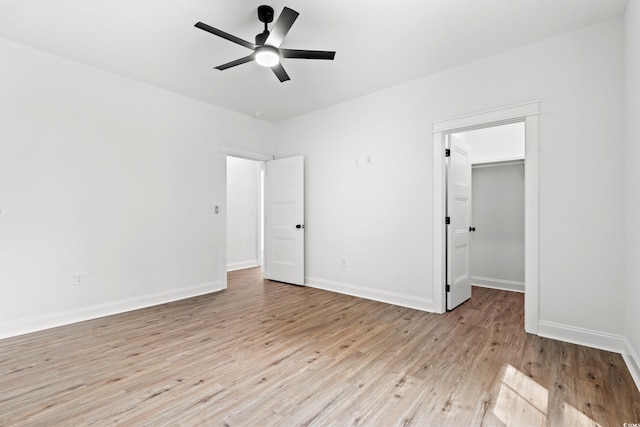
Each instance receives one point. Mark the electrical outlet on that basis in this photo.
(78, 279)
(368, 159)
(344, 262)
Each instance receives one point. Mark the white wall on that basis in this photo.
(379, 217)
(632, 155)
(496, 143)
(110, 177)
(496, 258)
(243, 210)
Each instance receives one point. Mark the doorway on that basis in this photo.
(485, 248)
(227, 151)
(245, 213)
(526, 113)
(279, 214)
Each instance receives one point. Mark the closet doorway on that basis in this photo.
(496, 255)
(528, 114)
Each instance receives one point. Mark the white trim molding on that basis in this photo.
(505, 285)
(233, 150)
(528, 113)
(495, 163)
(581, 336)
(242, 265)
(394, 298)
(496, 116)
(67, 317)
(633, 362)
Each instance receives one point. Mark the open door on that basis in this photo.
(459, 214)
(284, 212)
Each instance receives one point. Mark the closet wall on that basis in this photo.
(497, 247)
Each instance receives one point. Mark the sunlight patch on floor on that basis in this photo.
(522, 401)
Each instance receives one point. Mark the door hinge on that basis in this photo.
(448, 288)
(447, 220)
(447, 152)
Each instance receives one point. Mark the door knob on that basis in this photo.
(299, 226)
(472, 229)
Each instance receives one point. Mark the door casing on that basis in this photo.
(528, 113)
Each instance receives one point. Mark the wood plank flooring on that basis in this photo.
(269, 354)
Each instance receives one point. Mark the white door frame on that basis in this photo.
(230, 150)
(527, 113)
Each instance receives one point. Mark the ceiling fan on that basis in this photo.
(266, 49)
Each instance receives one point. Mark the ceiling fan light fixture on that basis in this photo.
(266, 50)
(267, 56)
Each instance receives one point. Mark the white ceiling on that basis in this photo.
(379, 43)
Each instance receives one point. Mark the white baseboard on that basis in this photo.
(372, 294)
(242, 264)
(38, 323)
(633, 362)
(505, 285)
(580, 336)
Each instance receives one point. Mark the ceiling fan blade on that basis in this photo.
(307, 54)
(224, 35)
(236, 62)
(281, 27)
(281, 73)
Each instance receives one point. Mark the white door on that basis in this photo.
(284, 211)
(459, 213)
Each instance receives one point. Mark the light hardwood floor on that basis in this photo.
(264, 354)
